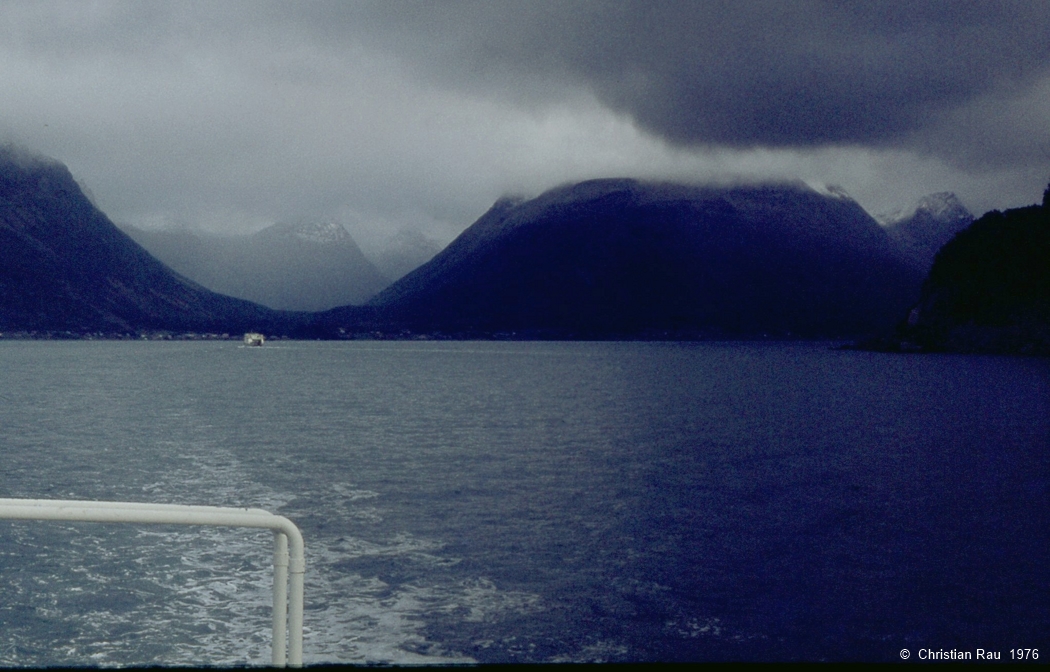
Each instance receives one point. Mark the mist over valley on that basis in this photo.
(600, 259)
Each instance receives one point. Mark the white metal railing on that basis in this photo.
(289, 562)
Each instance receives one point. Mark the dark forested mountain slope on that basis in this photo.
(65, 267)
(989, 288)
(609, 258)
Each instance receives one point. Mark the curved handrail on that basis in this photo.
(289, 549)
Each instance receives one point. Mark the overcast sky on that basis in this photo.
(231, 116)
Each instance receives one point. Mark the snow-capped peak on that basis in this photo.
(942, 206)
(322, 233)
(833, 190)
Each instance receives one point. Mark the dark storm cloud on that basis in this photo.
(737, 74)
(740, 74)
(380, 114)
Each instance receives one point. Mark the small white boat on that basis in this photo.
(254, 339)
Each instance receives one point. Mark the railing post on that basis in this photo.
(280, 597)
(297, 568)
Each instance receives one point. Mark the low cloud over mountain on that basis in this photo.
(309, 266)
(65, 267)
(230, 117)
(610, 258)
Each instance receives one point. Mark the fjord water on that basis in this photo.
(537, 501)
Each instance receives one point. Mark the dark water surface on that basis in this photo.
(520, 502)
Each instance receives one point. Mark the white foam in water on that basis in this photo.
(348, 618)
(363, 621)
(204, 594)
(569, 503)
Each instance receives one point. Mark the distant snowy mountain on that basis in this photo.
(322, 233)
(406, 251)
(923, 229)
(65, 267)
(308, 266)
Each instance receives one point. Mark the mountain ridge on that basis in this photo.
(64, 266)
(306, 266)
(625, 257)
(614, 258)
(922, 230)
